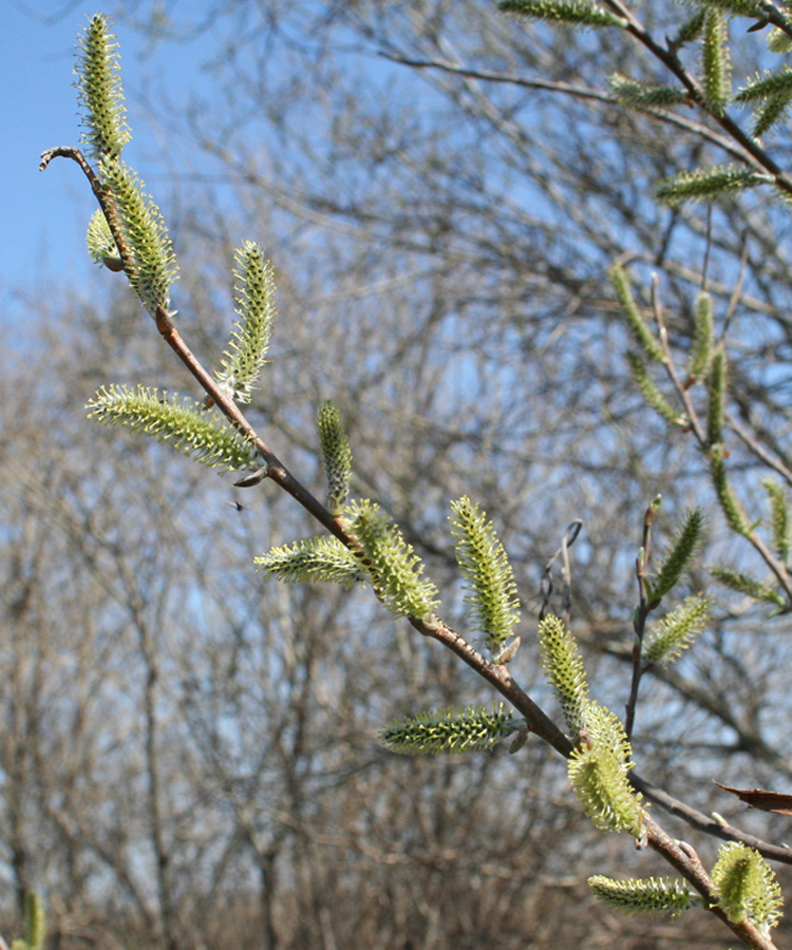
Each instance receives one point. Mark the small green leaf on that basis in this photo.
(255, 297)
(716, 390)
(336, 455)
(101, 243)
(703, 336)
(709, 184)
(452, 731)
(572, 12)
(677, 631)
(715, 60)
(648, 389)
(598, 771)
(154, 263)
(390, 563)
(782, 526)
(746, 886)
(564, 666)
(493, 605)
(743, 584)
(645, 896)
(767, 85)
(683, 547)
(35, 922)
(773, 113)
(100, 92)
(731, 507)
(640, 95)
(319, 559)
(644, 336)
(182, 423)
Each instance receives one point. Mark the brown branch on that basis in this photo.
(570, 89)
(103, 196)
(707, 824)
(684, 859)
(753, 153)
(683, 389)
(681, 857)
(755, 448)
(501, 679)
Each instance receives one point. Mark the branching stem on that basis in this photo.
(753, 153)
(735, 141)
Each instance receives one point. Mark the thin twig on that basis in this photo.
(682, 857)
(754, 155)
(707, 824)
(570, 89)
(546, 583)
(755, 448)
(639, 619)
(682, 389)
(736, 294)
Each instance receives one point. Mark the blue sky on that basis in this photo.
(44, 213)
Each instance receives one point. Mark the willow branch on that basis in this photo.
(752, 152)
(680, 857)
(570, 89)
(684, 859)
(706, 823)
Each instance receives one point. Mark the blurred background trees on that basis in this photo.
(189, 754)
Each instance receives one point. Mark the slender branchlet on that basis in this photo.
(648, 389)
(638, 95)
(646, 339)
(598, 772)
(645, 896)
(749, 586)
(390, 563)
(336, 455)
(100, 92)
(678, 630)
(155, 265)
(730, 504)
(715, 61)
(716, 391)
(254, 293)
(779, 509)
(746, 886)
(701, 350)
(579, 13)
(129, 233)
(452, 731)
(564, 667)
(708, 184)
(491, 598)
(323, 559)
(684, 546)
(101, 243)
(182, 423)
